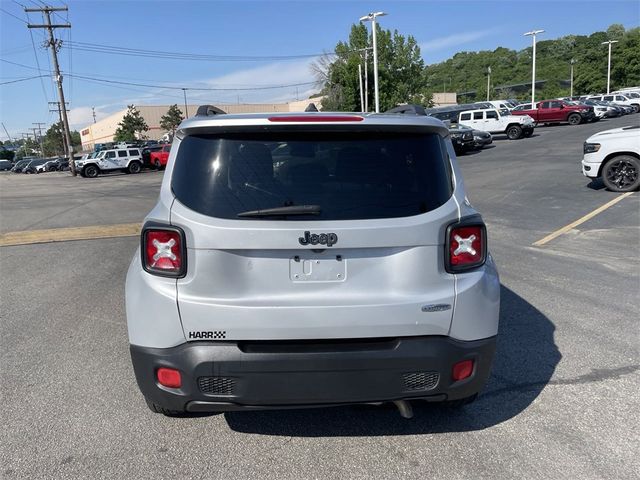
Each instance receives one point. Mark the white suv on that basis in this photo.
(298, 260)
(618, 98)
(494, 122)
(614, 155)
(128, 160)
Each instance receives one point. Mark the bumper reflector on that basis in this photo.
(462, 370)
(169, 377)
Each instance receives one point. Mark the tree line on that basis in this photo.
(405, 78)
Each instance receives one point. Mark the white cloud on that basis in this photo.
(278, 73)
(453, 40)
(80, 117)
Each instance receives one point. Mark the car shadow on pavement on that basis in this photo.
(525, 360)
(596, 184)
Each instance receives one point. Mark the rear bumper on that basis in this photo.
(226, 376)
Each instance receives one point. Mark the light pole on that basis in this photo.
(609, 42)
(361, 92)
(533, 34)
(186, 108)
(371, 17)
(572, 63)
(488, 81)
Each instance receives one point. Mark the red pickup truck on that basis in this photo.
(159, 159)
(554, 111)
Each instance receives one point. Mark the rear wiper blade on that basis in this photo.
(279, 211)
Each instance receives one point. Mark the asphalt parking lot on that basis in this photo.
(562, 401)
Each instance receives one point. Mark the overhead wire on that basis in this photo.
(12, 15)
(23, 79)
(35, 54)
(136, 52)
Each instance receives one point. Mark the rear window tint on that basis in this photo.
(348, 175)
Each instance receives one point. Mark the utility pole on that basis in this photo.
(39, 128)
(93, 112)
(5, 131)
(55, 45)
(24, 143)
(59, 110)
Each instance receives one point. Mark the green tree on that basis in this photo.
(6, 154)
(400, 71)
(466, 71)
(170, 121)
(28, 148)
(53, 142)
(132, 126)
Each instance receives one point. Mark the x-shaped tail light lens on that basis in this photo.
(466, 247)
(163, 252)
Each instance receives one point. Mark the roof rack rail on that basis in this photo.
(206, 110)
(311, 108)
(408, 108)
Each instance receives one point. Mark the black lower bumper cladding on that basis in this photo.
(227, 376)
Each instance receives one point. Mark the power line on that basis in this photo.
(23, 79)
(172, 87)
(136, 52)
(12, 15)
(203, 89)
(35, 54)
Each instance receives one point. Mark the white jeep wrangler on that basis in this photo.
(492, 121)
(128, 160)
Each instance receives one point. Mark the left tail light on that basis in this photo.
(164, 251)
(465, 245)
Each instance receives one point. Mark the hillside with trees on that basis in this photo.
(404, 77)
(467, 71)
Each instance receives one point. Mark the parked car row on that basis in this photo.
(37, 165)
(123, 158)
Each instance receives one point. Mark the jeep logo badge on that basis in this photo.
(328, 239)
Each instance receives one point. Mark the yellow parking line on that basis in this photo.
(29, 237)
(580, 221)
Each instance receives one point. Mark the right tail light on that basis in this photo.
(465, 245)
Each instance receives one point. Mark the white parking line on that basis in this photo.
(580, 221)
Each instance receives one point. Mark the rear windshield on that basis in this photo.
(344, 175)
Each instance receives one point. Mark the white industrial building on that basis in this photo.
(104, 130)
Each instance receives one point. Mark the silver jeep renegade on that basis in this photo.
(313, 259)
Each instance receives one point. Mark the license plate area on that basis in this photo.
(306, 269)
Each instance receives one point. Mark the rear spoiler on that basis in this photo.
(408, 109)
(208, 110)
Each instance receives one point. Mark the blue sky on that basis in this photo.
(248, 28)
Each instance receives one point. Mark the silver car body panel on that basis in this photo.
(241, 273)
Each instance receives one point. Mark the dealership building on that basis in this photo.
(104, 130)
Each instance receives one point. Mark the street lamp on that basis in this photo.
(572, 63)
(488, 81)
(371, 17)
(533, 34)
(609, 42)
